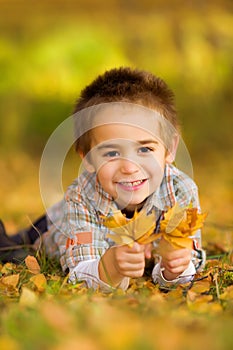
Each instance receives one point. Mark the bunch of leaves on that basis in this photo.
(176, 227)
(126, 231)
(179, 224)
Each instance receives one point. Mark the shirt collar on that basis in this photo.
(104, 203)
(159, 199)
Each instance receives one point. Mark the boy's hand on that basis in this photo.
(174, 261)
(123, 261)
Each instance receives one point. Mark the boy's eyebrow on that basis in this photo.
(115, 145)
(144, 142)
(108, 145)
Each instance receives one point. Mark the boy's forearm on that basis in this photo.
(107, 270)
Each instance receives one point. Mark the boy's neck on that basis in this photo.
(129, 213)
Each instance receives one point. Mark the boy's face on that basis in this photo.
(129, 161)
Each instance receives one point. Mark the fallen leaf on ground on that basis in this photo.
(11, 280)
(32, 264)
(39, 281)
(7, 268)
(201, 286)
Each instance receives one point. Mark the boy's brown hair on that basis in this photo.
(126, 85)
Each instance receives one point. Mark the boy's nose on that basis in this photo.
(128, 167)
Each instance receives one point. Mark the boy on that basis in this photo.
(127, 135)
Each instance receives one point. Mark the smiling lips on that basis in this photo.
(131, 185)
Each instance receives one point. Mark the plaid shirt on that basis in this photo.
(75, 229)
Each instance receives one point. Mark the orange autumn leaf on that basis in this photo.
(32, 264)
(39, 281)
(200, 287)
(179, 224)
(11, 281)
(126, 231)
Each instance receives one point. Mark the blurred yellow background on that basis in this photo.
(49, 50)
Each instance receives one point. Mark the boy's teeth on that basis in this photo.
(134, 183)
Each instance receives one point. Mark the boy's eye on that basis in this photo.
(111, 154)
(145, 149)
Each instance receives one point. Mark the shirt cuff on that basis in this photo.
(88, 271)
(186, 276)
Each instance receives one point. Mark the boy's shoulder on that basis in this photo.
(178, 187)
(178, 177)
(83, 185)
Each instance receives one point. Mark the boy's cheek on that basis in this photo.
(88, 165)
(96, 161)
(87, 162)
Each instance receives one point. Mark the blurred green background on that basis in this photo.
(49, 50)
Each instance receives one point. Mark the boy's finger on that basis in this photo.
(148, 248)
(137, 248)
(175, 254)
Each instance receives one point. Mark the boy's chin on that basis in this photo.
(131, 206)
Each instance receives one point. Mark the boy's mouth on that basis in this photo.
(131, 184)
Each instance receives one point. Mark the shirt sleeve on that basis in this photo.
(186, 276)
(88, 271)
(81, 237)
(184, 191)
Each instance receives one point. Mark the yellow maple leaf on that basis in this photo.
(179, 224)
(126, 231)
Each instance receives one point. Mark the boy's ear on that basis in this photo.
(171, 153)
(86, 162)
